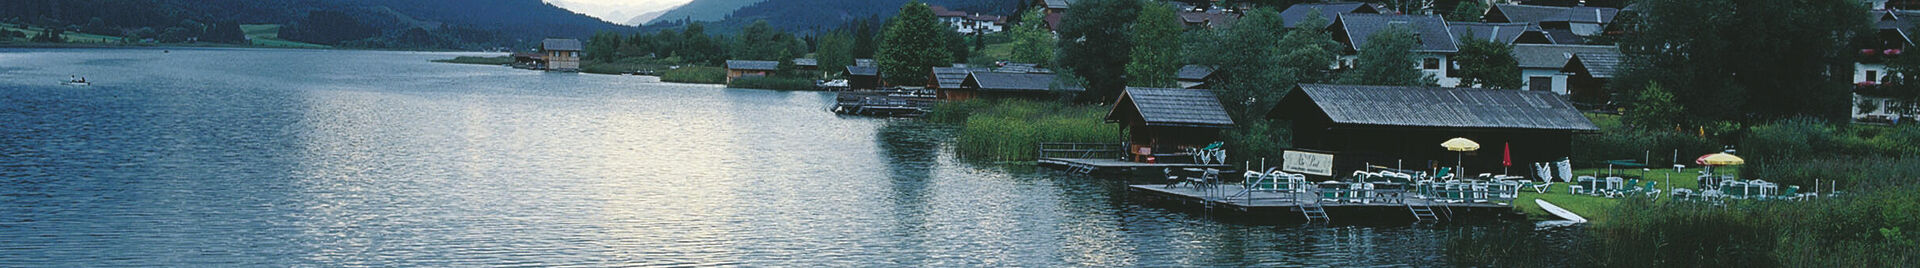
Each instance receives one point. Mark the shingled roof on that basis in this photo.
(1298, 12)
(1194, 73)
(950, 77)
(856, 70)
(806, 62)
(1171, 107)
(1430, 30)
(1058, 4)
(1407, 106)
(1503, 32)
(753, 65)
(560, 45)
(1553, 56)
(991, 81)
(1521, 13)
(1598, 65)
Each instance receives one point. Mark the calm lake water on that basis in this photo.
(200, 157)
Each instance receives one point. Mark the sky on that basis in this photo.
(616, 11)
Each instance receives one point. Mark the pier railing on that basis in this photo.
(1081, 150)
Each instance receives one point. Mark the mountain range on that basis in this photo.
(447, 23)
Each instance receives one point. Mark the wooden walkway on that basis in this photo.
(1105, 165)
(1289, 206)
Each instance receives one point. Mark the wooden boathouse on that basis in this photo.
(1159, 126)
(1402, 126)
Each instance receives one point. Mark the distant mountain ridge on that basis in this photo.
(703, 10)
(397, 23)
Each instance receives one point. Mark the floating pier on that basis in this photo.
(889, 103)
(1343, 207)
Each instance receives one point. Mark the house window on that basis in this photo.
(1873, 75)
(1430, 64)
(1540, 83)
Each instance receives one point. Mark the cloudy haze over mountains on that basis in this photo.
(629, 12)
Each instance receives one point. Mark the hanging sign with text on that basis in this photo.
(1307, 163)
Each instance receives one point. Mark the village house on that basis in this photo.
(1588, 75)
(1208, 19)
(1165, 122)
(863, 77)
(1006, 85)
(1541, 64)
(561, 54)
(1194, 76)
(746, 68)
(1892, 37)
(1401, 126)
(1564, 24)
(1505, 33)
(951, 77)
(969, 23)
(1435, 40)
(1298, 12)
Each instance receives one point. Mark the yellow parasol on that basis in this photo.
(1719, 159)
(1462, 145)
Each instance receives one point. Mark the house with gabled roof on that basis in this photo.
(1161, 122)
(863, 77)
(1541, 64)
(1004, 85)
(1194, 76)
(947, 80)
(1435, 42)
(1578, 21)
(1298, 12)
(561, 54)
(1588, 74)
(1404, 125)
(744, 68)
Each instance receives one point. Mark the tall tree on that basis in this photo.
(914, 43)
(757, 42)
(1488, 64)
(1654, 109)
(698, 47)
(602, 46)
(1032, 42)
(863, 43)
(1468, 11)
(1308, 51)
(1387, 59)
(835, 52)
(1243, 57)
(1094, 45)
(1156, 47)
(1746, 60)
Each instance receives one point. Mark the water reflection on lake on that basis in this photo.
(340, 158)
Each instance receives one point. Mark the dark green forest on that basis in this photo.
(405, 24)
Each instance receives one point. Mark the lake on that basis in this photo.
(257, 157)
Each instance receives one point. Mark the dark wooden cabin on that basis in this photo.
(1403, 126)
(1588, 75)
(863, 77)
(1006, 85)
(1161, 122)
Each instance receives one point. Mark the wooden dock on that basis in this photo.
(1381, 208)
(890, 103)
(1114, 165)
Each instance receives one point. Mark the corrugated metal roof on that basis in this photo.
(1172, 107)
(1599, 65)
(753, 65)
(991, 81)
(1552, 56)
(1431, 31)
(1444, 107)
(950, 77)
(560, 45)
(1526, 13)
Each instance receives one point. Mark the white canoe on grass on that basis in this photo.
(1571, 218)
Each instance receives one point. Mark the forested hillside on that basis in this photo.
(815, 15)
(443, 24)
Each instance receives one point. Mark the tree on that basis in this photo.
(1244, 58)
(863, 44)
(913, 43)
(957, 44)
(1387, 59)
(1468, 11)
(1654, 109)
(1095, 46)
(602, 46)
(1488, 64)
(225, 32)
(758, 42)
(835, 52)
(1156, 47)
(1032, 42)
(1707, 52)
(1310, 51)
(698, 47)
(50, 35)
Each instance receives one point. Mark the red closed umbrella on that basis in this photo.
(1506, 156)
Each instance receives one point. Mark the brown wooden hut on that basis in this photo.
(1162, 122)
(1403, 126)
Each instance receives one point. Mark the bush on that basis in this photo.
(1874, 228)
(1011, 130)
(695, 74)
(1800, 150)
(1618, 141)
(769, 82)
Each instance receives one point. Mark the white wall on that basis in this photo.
(1559, 80)
(1861, 69)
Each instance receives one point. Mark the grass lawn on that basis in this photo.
(1593, 207)
(72, 37)
(268, 35)
(999, 51)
